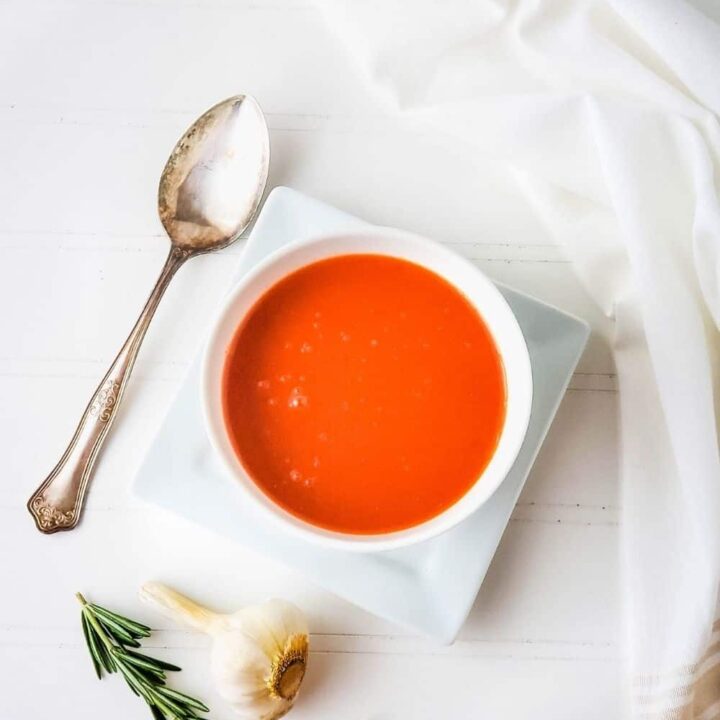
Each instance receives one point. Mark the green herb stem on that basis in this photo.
(108, 635)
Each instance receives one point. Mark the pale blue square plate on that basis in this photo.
(428, 587)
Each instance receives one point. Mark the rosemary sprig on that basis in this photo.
(109, 637)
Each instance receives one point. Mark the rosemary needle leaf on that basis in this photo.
(164, 709)
(95, 659)
(150, 678)
(138, 686)
(157, 715)
(175, 708)
(102, 652)
(134, 628)
(161, 664)
(98, 649)
(105, 658)
(118, 631)
(183, 698)
(142, 661)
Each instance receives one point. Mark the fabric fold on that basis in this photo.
(607, 113)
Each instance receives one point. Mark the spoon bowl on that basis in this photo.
(214, 179)
(209, 192)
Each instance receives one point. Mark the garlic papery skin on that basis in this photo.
(259, 653)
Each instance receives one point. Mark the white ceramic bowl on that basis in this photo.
(477, 288)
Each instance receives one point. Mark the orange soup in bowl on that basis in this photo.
(363, 394)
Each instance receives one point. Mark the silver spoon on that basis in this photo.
(209, 192)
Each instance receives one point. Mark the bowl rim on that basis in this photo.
(465, 505)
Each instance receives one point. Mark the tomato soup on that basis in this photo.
(363, 394)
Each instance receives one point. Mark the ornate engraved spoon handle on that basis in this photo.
(56, 504)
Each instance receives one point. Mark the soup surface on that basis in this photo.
(363, 394)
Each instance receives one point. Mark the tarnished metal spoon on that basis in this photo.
(209, 192)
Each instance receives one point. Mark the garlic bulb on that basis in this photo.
(259, 653)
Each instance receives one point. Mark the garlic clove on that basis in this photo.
(281, 630)
(257, 706)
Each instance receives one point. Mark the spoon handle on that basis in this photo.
(56, 504)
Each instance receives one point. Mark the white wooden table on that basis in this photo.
(93, 94)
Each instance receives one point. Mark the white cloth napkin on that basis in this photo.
(607, 110)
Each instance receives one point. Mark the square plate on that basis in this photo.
(428, 587)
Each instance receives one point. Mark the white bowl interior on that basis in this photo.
(477, 288)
